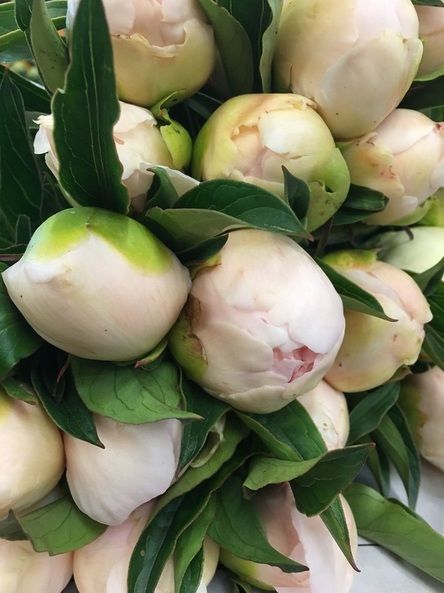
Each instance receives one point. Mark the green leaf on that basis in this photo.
(195, 434)
(193, 575)
(269, 29)
(128, 394)
(218, 206)
(10, 529)
(395, 528)
(425, 95)
(19, 390)
(289, 433)
(234, 49)
(334, 520)
(236, 527)
(59, 527)
(353, 296)
(267, 470)
(60, 398)
(428, 2)
(371, 408)
(379, 466)
(162, 192)
(34, 96)
(85, 113)
(189, 544)
(430, 280)
(234, 434)
(315, 490)
(397, 444)
(361, 202)
(297, 193)
(17, 339)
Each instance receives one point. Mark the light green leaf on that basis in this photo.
(19, 390)
(334, 520)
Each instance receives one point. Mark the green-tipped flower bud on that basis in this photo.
(98, 285)
(159, 47)
(374, 349)
(251, 137)
(263, 323)
(355, 58)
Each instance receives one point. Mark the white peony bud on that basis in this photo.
(404, 159)
(138, 463)
(22, 570)
(159, 47)
(263, 323)
(140, 144)
(31, 454)
(98, 285)
(422, 397)
(328, 410)
(431, 32)
(355, 58)
(417, 251)
(373, 349)
(102, 565)
(251, 137)
(304, 539)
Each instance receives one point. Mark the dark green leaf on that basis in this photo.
(203, 252)
(379, 465)
(35, 97)
(428, 2)
(162, 192)
(289, 433)
(315, 490)
(129, 394)
(59, 527)
(334, 520)
(430, 280)
(234, 49)
(85, 113)
(267, 470)
(353, 296)
(236, 527)
(216, 207)
(193, 574)
(10, 529)
(297, 193)
(189, 545)
(361, 202)
(19, 390)
(195, 434)
(394, 527)
(367, 415)
(424, 95)
(401, 453)
(60, 399)
(17, 339)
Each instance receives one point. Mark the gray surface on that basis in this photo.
(382, 572)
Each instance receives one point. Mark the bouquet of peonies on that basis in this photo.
(221, 293)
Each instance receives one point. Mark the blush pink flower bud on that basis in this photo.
(431, 32)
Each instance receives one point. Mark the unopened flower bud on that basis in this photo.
(431, 32)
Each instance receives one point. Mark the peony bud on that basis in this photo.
(159, 47)
(417, 251)
(31, 454)
(263, 323)
(251, 137)
(422, 397)
(431, 32)
(304, 539)
(102, 565)
(98, 285)
(373, 349)
(356, 58)
(404, 159)
(328, 410)
(435, 212)
(140, 144)
(138, 463)
(22, 570)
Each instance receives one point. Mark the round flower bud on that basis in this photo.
(31, 454)
(304, 539)
(422, 397)
(102, 565)
(404, 159)
(138, 463)
(355, 58)
(374, 349)
(263, 323)
(140, 144)
(431, 32)
(251, 137)
(159, 47)
(22, 570)
(328, 410)
(98, 285)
